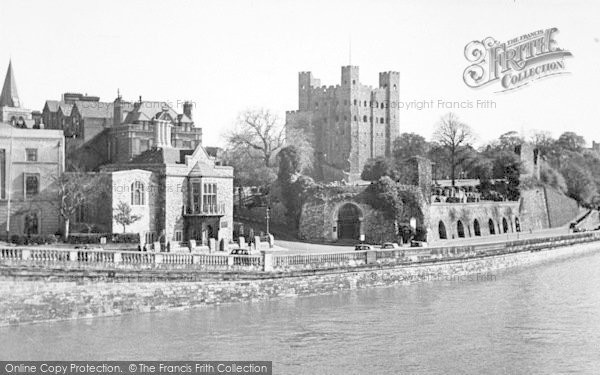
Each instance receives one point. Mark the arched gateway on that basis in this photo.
(348, 222)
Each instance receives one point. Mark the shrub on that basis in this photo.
(15, 238)
(125, 238)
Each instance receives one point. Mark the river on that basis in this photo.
(540, 319)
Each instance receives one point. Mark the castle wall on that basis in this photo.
(451, 213)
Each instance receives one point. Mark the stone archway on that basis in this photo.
(504, 225)
(492, 227)
(442, 231)
(476, 227)
(348, 222)
(460, 229)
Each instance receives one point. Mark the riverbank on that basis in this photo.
(48, 297)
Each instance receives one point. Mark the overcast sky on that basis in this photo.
(228, 56)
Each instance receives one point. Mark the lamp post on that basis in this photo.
(268, 217)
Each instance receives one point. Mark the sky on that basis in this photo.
(228, 56)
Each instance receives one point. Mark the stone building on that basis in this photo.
(133, 127)
(180, 194)
(348, 123)
(30, 162)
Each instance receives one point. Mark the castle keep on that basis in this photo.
(348, 123)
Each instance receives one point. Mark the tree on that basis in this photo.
(74, 189)
(376, 168)
(289, 164)
(508, 141)
(570, 141)
(124, 215)
(453, 135)
(259, 131)
(248, 168)
(408, 145)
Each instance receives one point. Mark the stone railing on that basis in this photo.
(271, 262)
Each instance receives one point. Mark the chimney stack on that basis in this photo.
(187, 109)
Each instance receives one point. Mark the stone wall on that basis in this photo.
(561, 209)
(468, 213)
(48, 299)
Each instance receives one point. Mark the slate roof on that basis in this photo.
(155, 155)
(147, 110)
(95, 109)
(53, 105)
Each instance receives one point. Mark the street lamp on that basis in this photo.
(268, 217)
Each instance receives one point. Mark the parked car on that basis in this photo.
(390, 245)
(239, 252)
(414, 243)
(363, 247)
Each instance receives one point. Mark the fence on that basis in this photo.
(99, 259)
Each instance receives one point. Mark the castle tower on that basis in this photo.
(349, 123)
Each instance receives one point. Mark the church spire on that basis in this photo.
(9, 96)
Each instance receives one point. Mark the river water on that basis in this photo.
(542, 319)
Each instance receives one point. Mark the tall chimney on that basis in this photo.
(187, 109)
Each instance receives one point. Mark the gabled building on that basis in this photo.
(180, 194)
(134, 124)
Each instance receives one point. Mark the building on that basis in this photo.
(348, 123)
(134, 125)
(30, 162)
(180, 194)
(11, 110)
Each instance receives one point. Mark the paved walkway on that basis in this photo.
(296, 247)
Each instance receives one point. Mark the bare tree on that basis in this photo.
(260, 132)
(73, 189)
(453, 135)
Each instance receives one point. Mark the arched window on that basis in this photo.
(381, 105)
(460, 229)
(364, 118)
(137, 194)
(365, 103)
(505, 225)
(476, 227)
(442, 231)
(355, 102)
(355, 119)
(491, 225)
(381, 120)
(517, 224)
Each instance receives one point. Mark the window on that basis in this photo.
(137, 194)
(381, 120)
(365, 103)
(209, 198)
(31, 224)
(364, 118)
(178, 236)
(196, 197)
(355, 119)
(32, 185)
(31, 154)
(355, 102)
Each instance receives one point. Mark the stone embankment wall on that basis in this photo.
(44, 297)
